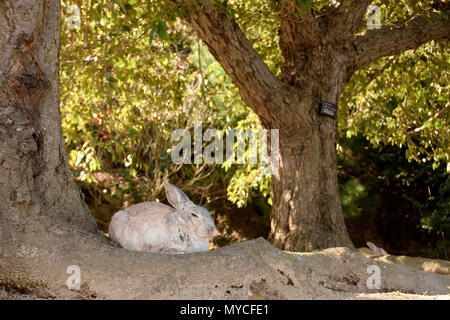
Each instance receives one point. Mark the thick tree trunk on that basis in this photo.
(35, 181)
(306, 213)
(39, 198)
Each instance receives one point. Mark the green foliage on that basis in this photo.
(247, 183)
(353, 195)
(376, 179)
(403, 101)
(128, 80)
(244, 181)
(122, 98)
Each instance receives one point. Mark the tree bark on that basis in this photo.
(35, 180)
(39, 196)
(306, 213)
(393, 39)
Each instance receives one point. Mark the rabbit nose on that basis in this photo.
(212, 230)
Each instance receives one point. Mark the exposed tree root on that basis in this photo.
(241, 271)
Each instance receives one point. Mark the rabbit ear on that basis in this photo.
(175, 196)
(372, 247)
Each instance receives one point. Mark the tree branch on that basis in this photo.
(393, 39)
(300, 34)
(342, 20)
(231, 48)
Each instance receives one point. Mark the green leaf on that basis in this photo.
(152, 34)
(133, 132)
(304, 3)
(162, 30)
(408, 154)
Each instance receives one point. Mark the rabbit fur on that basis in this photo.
(156, 227)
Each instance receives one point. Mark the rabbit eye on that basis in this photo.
(193, 214)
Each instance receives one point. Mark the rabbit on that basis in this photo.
(156, 227)
(376, 250)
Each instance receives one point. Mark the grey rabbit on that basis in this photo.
(156, 227)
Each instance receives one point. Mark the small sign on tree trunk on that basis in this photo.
(328, 109)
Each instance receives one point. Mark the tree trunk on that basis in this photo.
(306, 213)
(35, 180)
